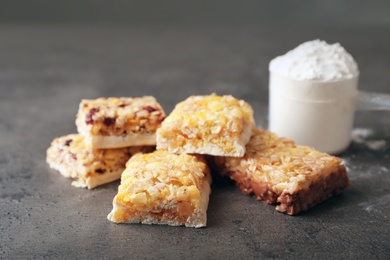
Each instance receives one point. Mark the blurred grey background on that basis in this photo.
(227, 12)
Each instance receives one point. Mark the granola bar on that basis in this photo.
(214, 125)
(90, 167)
(119, 122)
(277, 171)
(163, 188)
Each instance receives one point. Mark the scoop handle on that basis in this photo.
(372, 101)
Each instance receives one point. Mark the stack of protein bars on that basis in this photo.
(111, 130)
(172, 184)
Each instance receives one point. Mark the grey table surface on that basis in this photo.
(46, 70)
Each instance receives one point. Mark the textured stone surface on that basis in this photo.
(46, 71)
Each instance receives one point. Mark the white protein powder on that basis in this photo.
(361, 135)
(312, 95)
(315, 60)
